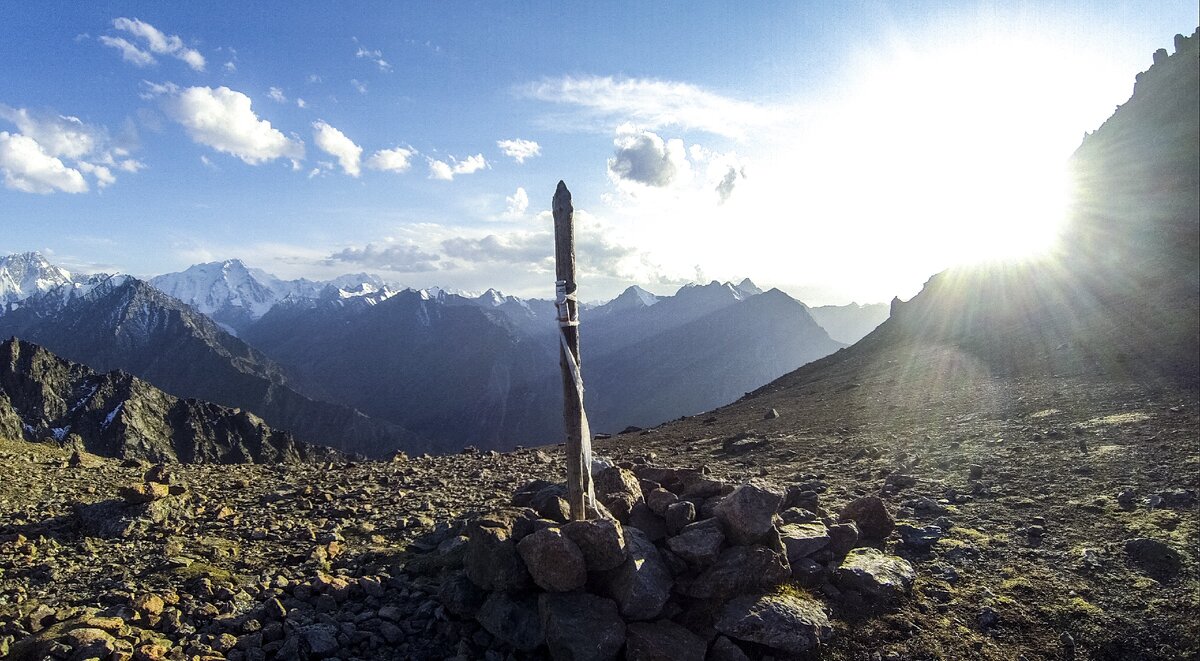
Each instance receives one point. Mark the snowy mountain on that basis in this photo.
(235, 296)
(24, 274)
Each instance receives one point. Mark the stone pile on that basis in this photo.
(673, 565)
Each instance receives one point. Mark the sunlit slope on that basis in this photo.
(1119, 300)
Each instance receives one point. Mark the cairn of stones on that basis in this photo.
(673, 564)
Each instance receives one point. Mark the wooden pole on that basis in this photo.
(580, 493)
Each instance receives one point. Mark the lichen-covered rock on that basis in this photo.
(740, 569)
(803, 539)
(790, 622)
(876, 574)
(581, 626)
(679, 515)
(492, 561)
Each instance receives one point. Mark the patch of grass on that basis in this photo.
(1017, 584)
(1117, 419)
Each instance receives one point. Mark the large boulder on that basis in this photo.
(581, 626)
(555, 562)
(876, 574)
(874, 520)
(699, 543)
(747, 514)
(787, 621)
(618, 490)
(602, 542)
(1154, 557)
(738, 570)
(642, 584)
(514, 620)
(662, 641)
(492, 561)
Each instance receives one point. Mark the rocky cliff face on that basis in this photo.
(46, 398)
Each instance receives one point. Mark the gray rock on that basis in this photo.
(320, 640)
(555, 562)
(514, 620)
(642, 584)
(662, 641)
(679, 515)
(492, 561)
(658, 500)
(803, 539)
(738, 570)
(789, 622)
(724, 649)
(581, 626)
(616, 480)
(842, 538)
(919, 539)
(459, 595)
(747, 514)
(874, 520)
(648, 522)
(698, 543)
(602, 542)
(876, 574)
(1154, 557)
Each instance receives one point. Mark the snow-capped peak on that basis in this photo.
(24, 274)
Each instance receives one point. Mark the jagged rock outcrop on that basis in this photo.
(46, 398)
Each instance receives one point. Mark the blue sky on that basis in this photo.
(840, 151)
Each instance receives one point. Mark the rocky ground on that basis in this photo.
(1053, 519)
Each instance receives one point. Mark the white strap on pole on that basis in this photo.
(566, 320)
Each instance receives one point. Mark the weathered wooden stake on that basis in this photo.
(580, 494)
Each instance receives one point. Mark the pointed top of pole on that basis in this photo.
(562, 199)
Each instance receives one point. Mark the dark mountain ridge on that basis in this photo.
(114, 414)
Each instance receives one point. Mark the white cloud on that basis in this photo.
(88, 149)
(518, 203)
(396, 160)
(445, 170)
(519, 149)
(223, 119)
(336, 144)
(156, 41)
(301, 103)
(129, 52)
(402, 257)
(276, 94)
(28, 168)
(645, 158)
(358, 85)
(375, 56)
(654, 104)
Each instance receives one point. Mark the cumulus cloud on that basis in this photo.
(52, 153)
(645, 158)
(654, 104)
(400, 257)
(223, 119)
(728, 181)
(519, 149)
(336, 144)
(154, 41)
(276, 94)
(396, 160)
(518, 203)
(28, 168)
(301, 103)
(445, 170)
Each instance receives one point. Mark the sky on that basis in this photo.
(839, 151)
